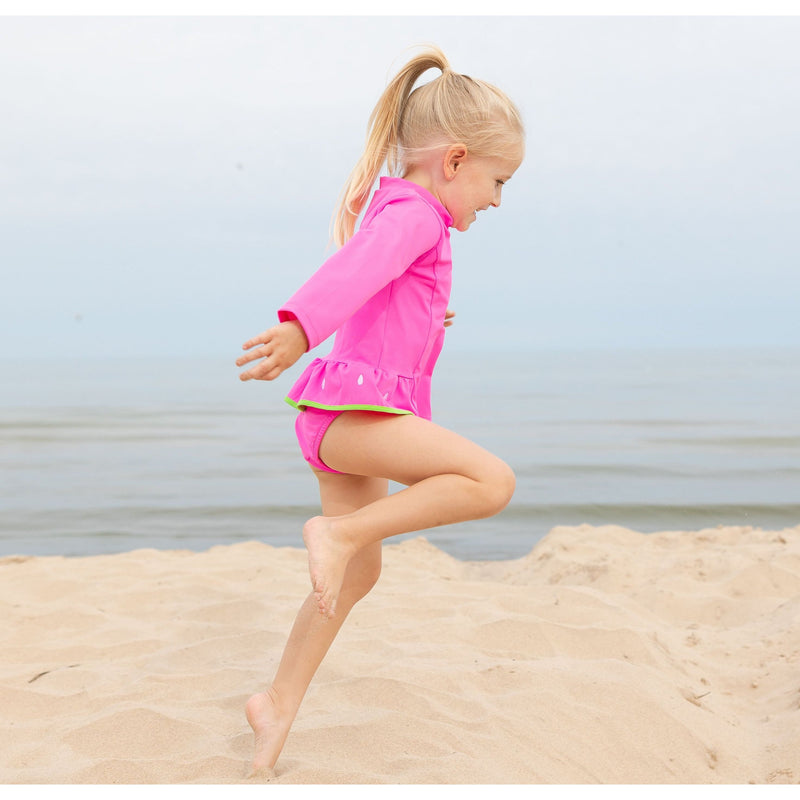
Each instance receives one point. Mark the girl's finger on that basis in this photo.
(253, 355)
(262, 338)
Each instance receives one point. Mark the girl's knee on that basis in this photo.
(499, 487)
(359, 582)
(358, 589)
(367, 579)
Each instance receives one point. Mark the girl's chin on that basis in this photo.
(464, 224)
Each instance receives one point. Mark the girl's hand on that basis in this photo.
(448, 318)
(279, 347)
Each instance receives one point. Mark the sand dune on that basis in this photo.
(603, 656)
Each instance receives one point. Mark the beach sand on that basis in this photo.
(603, 656)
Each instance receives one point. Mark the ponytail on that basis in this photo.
(383, 144)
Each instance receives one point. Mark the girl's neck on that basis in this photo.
(422, 178)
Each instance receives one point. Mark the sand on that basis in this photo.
(604, 656)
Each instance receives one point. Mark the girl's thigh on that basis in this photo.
(403, 448)
(342, 494)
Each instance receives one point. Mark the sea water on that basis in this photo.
(107, 456)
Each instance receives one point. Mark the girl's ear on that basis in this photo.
(453, 158)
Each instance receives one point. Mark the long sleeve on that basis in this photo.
(387, 243)
(385, 294)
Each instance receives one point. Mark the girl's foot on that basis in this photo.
(327, 562)
(270, 727)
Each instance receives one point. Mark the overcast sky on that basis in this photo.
(166, 183)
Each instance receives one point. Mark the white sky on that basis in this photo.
(166, 182)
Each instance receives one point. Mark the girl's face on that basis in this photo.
(476, 184)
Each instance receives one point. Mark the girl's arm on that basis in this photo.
(380, 252)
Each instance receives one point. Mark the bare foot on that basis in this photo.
(270, 727)
(328, 557)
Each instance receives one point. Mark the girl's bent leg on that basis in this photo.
(271, 713)
(449, 479)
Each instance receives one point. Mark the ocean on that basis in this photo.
(104, 456)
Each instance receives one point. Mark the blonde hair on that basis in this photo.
(408, 123)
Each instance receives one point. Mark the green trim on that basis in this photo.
(350, 407)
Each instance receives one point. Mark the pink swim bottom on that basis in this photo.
(310, 426)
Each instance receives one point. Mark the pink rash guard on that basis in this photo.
(385, 293)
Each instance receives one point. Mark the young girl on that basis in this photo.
(365, 416)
